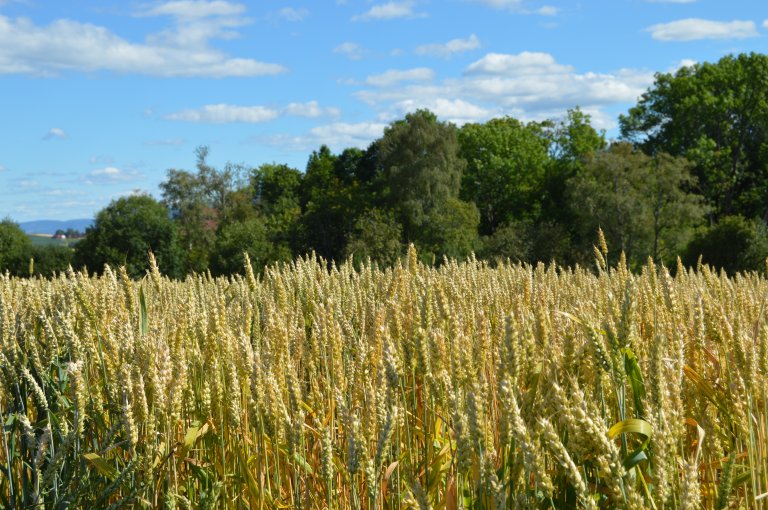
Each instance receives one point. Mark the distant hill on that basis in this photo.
(51, 226)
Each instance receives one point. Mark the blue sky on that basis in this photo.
(98, 99)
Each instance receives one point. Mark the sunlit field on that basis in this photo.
(461, 386)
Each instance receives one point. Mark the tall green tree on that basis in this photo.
(506, 165)
(199, 202)
(277, 198)
(332, 197)
(641, 203)
(15, 248)
(573, 141)
(715, 115)
(421, 168)
(125, 232)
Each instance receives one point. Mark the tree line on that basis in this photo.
(688, 177)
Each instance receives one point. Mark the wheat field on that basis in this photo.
(462, 386)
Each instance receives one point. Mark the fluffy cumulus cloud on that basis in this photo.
(524, 63)
(388, 11)
(352, 51)
(395, 76)
(695, 29)
(227, 113)
(449, 49)
(457, 111)
(528, 85)
(182, 49)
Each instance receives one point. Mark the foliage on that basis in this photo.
(15, 248)
(642, 204)
(733, 244)
(125, 231)
(506, 167)
(421, 166)
(526, 241)
(277, 191)
(376, 236)
(330, 199)
(317, 386)
(51, 259)
(716, 115)
(235, 239)
(199, 202)
(450, 231)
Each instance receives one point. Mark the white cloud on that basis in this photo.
(3, 168)
(457, 111)
(395, 76)
(228, 113)
(291, 14)
(55, 133)
(225, 113)
(183, 49)
(450, 48)
(389, 10)
(190, 9)
(765, 24)
(311, 110)
(528, 85)
(353, 51)
(108, 171)
(341, 134)
(338, 136)
(521, 64)
(694, 29)
(686, 62)
(135, 192)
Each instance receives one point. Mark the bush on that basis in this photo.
(734, 244)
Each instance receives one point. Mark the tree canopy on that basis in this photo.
(125, 232)
(715, 115)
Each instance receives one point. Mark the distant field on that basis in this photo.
(48, 240)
